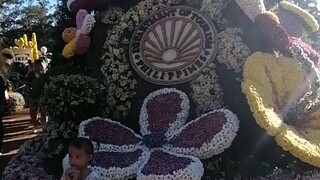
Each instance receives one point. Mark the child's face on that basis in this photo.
(78, 157)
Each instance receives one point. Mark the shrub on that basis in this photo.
(72, 97)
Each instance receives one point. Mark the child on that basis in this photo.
(80, 155)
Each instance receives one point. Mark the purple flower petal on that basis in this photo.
(82, 44)
(170, 166)
(115, 159)
(164, 111)
(81, 14)
(208, 135)
(110, 135)
(200, 132)
(161, 163)
(117, 165)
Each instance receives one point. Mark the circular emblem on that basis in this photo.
(173, 45)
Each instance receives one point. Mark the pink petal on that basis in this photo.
(82, 44)
(108, 135)
(165, 165)
(205, 136)
(81, 14)
(164, 111)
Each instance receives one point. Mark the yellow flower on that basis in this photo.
(69, 49)
(305, 15)
(269, 84)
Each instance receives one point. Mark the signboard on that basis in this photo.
(22, 55)
(173, 45)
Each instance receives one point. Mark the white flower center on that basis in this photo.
(169, 55)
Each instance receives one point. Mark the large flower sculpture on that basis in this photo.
(166, 149)
(277, 91)
(77, 38)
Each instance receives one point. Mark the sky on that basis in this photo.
(52, 2)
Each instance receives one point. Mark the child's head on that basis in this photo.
(80, 152)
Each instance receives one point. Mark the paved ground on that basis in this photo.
(18, 129)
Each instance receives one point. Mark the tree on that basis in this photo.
(19, 17)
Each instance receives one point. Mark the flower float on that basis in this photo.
(277, 91)
(77, 38)
(167, 149)
(76, 5)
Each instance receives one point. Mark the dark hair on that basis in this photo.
(84, 143)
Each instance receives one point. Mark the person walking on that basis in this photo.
(36, 70)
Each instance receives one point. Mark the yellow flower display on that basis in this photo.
(305, 15)
(271, 85)
(24, 43)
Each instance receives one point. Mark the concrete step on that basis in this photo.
(15, 143)
(20, 133)
(17, 128)
(16, 119)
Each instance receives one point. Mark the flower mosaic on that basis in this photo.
(306, 49)
(206, 91)
(112, 15)
(28, 162)
(78, 39)
(166, 148)
(119, 79)
(214, 9)
(232, 50)
(172, 47)
(54, 131)
(278, 91)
